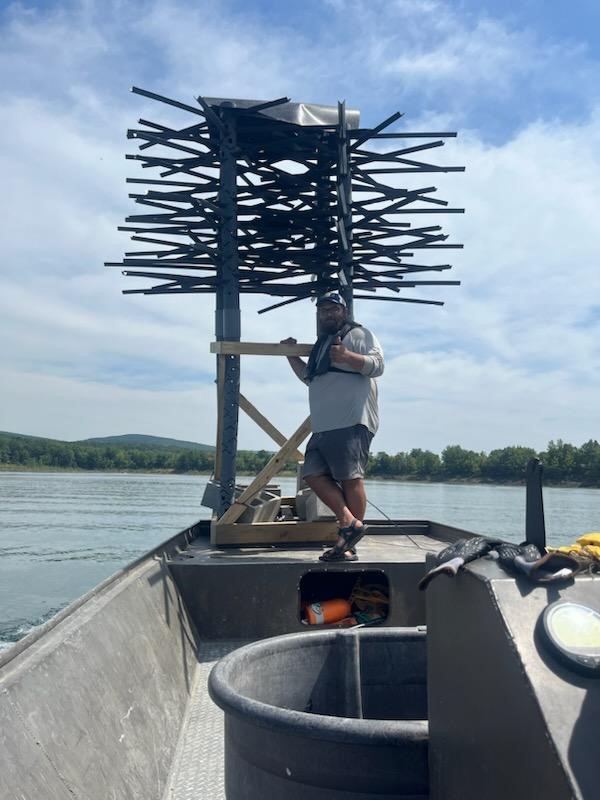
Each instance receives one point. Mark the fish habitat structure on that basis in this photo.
(285, 199)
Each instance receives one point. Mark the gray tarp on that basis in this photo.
(296, 113)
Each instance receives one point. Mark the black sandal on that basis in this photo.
(350, 535)
(347, 555)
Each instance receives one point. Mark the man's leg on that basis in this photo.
(330, 493)
(343, 451)
(355, 497)
(347, 503)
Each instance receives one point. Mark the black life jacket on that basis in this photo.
(319, 360)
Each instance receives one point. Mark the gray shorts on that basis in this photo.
(342, 453)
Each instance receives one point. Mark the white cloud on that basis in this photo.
(431, 399)
(71, 409)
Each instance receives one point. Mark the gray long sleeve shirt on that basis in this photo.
(340, 401)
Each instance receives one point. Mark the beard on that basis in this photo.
(331, 325)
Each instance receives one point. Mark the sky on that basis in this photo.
(510, 359)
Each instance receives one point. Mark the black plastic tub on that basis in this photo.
(325, 715)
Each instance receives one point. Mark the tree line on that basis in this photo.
(33, 452)
(563, 462)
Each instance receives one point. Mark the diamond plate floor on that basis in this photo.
(197, 771)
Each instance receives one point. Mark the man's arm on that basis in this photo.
(295, 362)
(362, 353)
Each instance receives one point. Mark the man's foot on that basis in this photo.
(347, 555)
(348, 537)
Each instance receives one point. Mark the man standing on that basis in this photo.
(340, 374)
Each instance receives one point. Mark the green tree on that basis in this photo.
(382, 464)
(588, 463)
(560, 461)
(508, 463)
(423, 463)
(460, 463)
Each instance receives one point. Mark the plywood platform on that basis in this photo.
(394, 541)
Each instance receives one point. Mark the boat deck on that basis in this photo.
(197, 770)
(385, 543)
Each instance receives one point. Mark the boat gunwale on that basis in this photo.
(165, 548)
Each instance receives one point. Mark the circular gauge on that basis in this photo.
(572, 632)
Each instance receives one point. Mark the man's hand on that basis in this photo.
(340, 355)
(295, 362)
(337, 352)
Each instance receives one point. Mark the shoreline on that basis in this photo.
(8, 468)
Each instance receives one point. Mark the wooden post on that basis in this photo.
(265, 425)
(262, 479)
(260, 349)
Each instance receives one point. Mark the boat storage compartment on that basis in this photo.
(366, 594)
(326, 714)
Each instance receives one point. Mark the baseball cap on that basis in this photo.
(332, 297)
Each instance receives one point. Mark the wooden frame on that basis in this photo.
(288, 532)
(259, 349)
(226, 530)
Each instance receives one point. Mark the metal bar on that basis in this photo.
(167, 276)
(227, 314)
(213, 117)
(200, 263)
(344, 222)
(167, 100)
(373, 154)
(220, 381)
(401, 300)
(190, 131)
(422, 168)
(162, 183)
(153, 139)
(284, 303)
(357, 133)
(370, 133)
(535, 527)
(167, 290)
(393, 192)
(323, 218)
(423, 210)
(411, 284)
(269, 104)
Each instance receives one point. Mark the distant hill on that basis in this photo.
(137, 440)
(141, 440)
(27, 436)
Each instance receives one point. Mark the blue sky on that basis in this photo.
(510, 359)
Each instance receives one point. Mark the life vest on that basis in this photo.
(319, 360)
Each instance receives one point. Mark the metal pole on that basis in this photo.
(227, 315)
(344, 198)
(535, 528)
(323, 210)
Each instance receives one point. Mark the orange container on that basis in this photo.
(327, 611)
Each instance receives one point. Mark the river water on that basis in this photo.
(62, 533)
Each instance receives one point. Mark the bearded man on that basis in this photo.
(340, 374)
